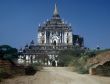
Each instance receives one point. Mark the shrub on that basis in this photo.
(66, 56)
(79, 64)
(81, 70)
(0, 79)
(29, 70)
(18, 70)
(4, 74)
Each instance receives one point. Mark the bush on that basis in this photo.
(0, 79)
(37, 66)
(29, 70)
(4, 74)
(66, 56)
(81, 69)
(18, 70)
(79, 64)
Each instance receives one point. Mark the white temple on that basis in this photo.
(53, 36)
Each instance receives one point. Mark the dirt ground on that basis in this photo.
(58, 75)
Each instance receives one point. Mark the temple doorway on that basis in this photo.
(54, 43)
(53, 63)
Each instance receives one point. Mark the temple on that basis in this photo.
(54, 35)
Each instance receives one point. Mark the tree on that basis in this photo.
(8, 53)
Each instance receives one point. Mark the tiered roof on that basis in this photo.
(55, 23)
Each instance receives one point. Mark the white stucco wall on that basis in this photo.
(65, 37)
(39, 37)
(70, 35)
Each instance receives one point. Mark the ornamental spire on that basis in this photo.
(56, 13)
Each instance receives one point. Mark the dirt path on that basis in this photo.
(58, 75)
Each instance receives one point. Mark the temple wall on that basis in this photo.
(65, 37)
(45, 38)
(39, 37)
(70, 35)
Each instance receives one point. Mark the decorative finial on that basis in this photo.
(26, 46)
(56, 13)
(32, 42)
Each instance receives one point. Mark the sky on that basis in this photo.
(19, 20)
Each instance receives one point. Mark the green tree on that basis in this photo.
(8, 53)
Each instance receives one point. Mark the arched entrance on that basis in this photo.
(53, 63)
(54, 43)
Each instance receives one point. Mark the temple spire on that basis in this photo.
(56, 13)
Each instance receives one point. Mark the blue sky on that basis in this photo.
(19, 20)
